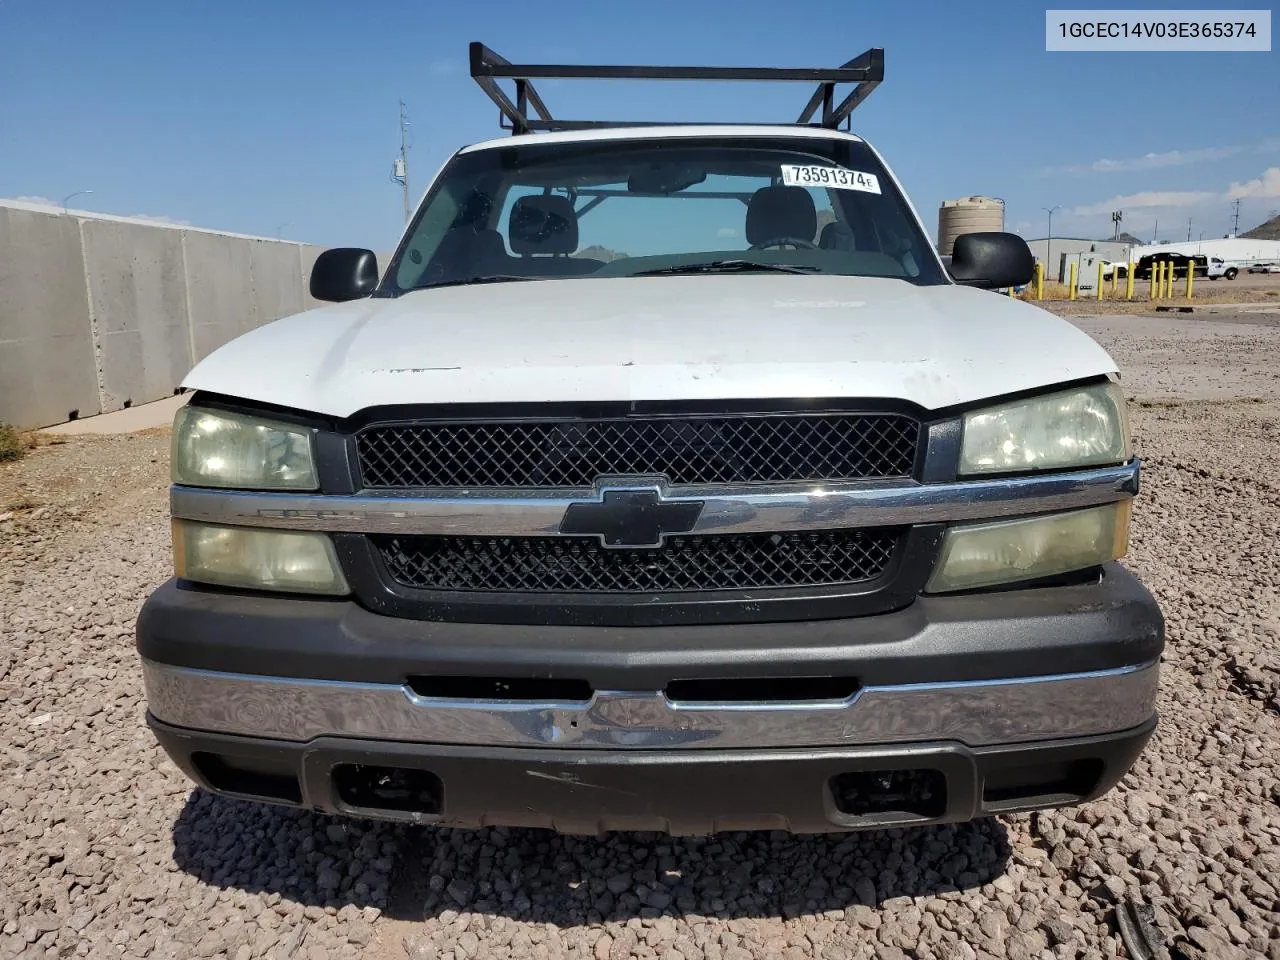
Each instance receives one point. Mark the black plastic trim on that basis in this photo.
(681, 792)
(1015, 633)
(902, 580)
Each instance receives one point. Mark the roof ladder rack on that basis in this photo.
(487, 68)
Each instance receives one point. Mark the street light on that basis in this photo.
(1048, 252)
(70, 195)
(281, 228)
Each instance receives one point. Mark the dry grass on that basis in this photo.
(13, 446)
(1203, 292)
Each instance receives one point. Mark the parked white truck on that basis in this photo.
(665, 479)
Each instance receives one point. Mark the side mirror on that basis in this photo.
(344, 273)
(991, 260)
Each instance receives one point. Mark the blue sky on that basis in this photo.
(282, 115)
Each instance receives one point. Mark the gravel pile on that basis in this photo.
(105, 850)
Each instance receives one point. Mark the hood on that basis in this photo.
(755, 336)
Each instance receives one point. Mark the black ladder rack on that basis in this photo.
(487, 68)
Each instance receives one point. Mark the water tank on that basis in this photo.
(967, 215)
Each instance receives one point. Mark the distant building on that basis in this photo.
(1055, 252)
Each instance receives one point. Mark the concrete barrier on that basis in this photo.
(277, 280)
(99, 313)
(48, 371)
(137, 310)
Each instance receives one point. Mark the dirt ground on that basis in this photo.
(106, 850)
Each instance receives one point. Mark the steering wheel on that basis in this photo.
(797, 242)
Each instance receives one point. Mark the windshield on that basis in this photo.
(651, 207)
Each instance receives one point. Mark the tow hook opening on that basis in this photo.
(900, 793)
(1043, 784)
(247, 777)
(402, 789)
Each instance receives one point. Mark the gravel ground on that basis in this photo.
(105, 850)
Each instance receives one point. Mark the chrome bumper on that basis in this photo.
(976, 713)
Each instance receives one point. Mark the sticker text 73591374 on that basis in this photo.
(813, 175)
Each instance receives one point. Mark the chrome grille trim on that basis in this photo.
(770, 509)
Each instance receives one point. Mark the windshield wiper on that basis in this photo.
(465, 281)
(726, 266)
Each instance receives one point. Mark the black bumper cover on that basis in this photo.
(679, 792)
(1105, 625)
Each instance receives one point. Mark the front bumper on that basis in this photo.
(1006, 700)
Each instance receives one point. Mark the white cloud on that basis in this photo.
(40, 201)
(1169, 158)
(442, 68)
(1267, 185)
(167, 220)
(727, 232)
(1149, 198)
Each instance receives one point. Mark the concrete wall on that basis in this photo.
(100, 314)
(48, 373)
(137, 310)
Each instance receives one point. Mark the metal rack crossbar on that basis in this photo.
(528, 112)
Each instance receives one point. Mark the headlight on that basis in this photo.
(1074, 428)
(216, 449)
(986, 554)
(286, 560)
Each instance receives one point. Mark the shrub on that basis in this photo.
(12, 445)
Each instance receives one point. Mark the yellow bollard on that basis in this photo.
(1128, 282)
(1039, 281)
(1155, 291)
(1100, 282)
(1169, 275)
(1191, 274)
(1071, 293)
(1115, 277)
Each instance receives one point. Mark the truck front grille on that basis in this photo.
(682, 564)
(721, 449)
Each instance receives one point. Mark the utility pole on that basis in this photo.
(400, 168)
(1188, 229)
(1235, 225)
(1116, 217)
(1155, 231)
(1048, 250)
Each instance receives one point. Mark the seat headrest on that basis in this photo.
(775, 213)
(543, 224)
(836, 236)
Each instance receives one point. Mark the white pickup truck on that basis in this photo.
(665, 479)
(1218, 268)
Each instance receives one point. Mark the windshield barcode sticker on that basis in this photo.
(798, 175)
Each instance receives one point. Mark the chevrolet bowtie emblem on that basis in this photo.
(630, 518)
